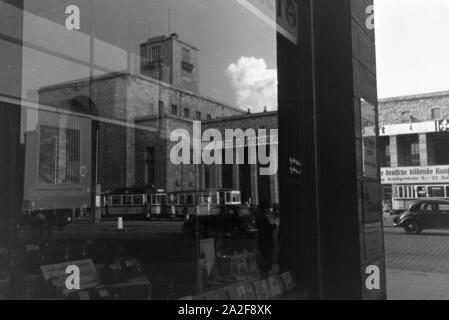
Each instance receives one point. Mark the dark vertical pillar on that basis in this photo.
(335, 146)
(329, 229)
(299, 229)
(11, 146)
(11, 170)
(351, 230)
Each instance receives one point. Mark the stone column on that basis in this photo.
(394, 152)
(423, 156)
(130, 149)
(218, 176)
(254, 184)
(274, 188)
(430, 152)
(235, 177)
(202, 176)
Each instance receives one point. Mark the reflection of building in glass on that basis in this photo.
(112, 130)
(172, 61)
(414, 147)
(130, 119)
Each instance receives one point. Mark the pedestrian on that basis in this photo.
(172, 212)
(43, 224)
(265, 242)
(276, 210)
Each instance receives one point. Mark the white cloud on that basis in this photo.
(255, 85)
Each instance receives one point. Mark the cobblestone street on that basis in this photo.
(428, 252)
(417, 265)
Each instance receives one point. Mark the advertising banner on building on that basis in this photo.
(409, 128)
(415, 175)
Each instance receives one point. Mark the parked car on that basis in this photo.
(233, 221)
(424, 214)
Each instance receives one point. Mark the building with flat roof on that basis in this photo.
(137, 114)
(414, 147)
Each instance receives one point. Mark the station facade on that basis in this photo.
(414, 141)
(152, 105)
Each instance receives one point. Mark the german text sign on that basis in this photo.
(57, 275)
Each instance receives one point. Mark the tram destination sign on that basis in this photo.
(412, 175)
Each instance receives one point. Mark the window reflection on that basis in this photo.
(59, 155)
(100, 104)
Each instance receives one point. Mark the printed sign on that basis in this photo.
(56, 274)
(374, 247)
(372, 202)
(414, 175)
(409, 128)
(288, 281)
(295, 168)
(250, 292)
(261, 288)
(281, 14)
(237, 293)
(275, 286)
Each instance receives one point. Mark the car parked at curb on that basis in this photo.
(424, 214)
(233, 221)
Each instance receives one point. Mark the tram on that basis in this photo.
(203, 202)
(404, 195)
(148, 206)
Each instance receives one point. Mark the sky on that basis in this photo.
(412, 44)
(237, 54)
(237, 50)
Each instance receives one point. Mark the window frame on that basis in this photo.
(432, 116)
(406, 117)
(174, 110)
(186, 113)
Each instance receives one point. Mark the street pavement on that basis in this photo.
(428, 252)
(417, 265)
(133, 230)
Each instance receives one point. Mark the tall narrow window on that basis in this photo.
(406, 117)
(415, 154)
(174, 110)
(59, 156)
(436, 114)
(186, 113)
(161, 108)
(385, 152)
(150, 165)
(156, 54)
(186, 55)
(186, 62)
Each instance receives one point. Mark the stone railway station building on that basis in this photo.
(136, 114)
(414, 136)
